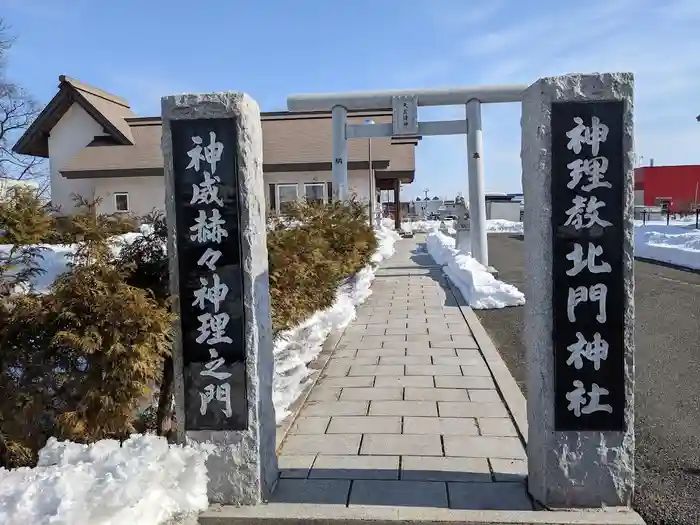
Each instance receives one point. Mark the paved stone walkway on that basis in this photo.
(406, 413)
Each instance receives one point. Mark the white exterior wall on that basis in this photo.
(509, 211)
(639, 197)
(145, 193)
(72, 133)
(358, 182)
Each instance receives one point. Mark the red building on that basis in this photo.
(678, 186)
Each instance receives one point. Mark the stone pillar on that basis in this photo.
(397, 205)
(477, 197)
(339, 117)
(222, 354)
(577, 159)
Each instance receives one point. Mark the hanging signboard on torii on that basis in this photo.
(405, 117)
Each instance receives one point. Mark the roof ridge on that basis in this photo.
(81, 86)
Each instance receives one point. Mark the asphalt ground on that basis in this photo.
(667, 425)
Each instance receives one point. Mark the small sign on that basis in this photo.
(588, 179)
(405, 118)
(211, 276)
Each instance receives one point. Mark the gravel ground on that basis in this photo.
(668, 370)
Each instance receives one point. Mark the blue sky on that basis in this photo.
(144, 49)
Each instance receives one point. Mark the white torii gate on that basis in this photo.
(405, 123)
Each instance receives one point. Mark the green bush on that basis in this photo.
(77, 362)
(308, 262)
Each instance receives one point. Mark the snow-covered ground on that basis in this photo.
(144, 481)
(296, 348)
(479, 288)
(492, 226)
(674, 244)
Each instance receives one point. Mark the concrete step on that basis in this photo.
(305, 514)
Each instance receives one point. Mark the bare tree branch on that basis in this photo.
(17, 111)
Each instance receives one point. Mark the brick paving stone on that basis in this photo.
(407, 378)
(426, 350)
(427, 468)
(459, 328)
(396, 323)
(381, 339)
(432, 370)
(405, 360)
(475, 360)
(404, 381)
(401, 444)
(310, 425)
(470, 382)
(336, 370)
(413, 330)
(420, 314)
(403, 408)
(365, 425)
(335, 408)
(382, 352)
(295, 466)
(446, 426)
(322, 393)
(398, 494)
(496, 426)
(484, 447)
(435, 394)
(355, 467)
(484, 396)
(312, 491)
(345, 382)
(372, 394)
(489, 496)
(360, 345)
(376, 370)
(469, 353)
(344, 352)
(357, 360)
(508, 469)
(469, 409)
(301, 444)
(475, 370)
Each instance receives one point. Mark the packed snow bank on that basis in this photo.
(503, 226)
(669, 244)
(296, 348)
(480, 289)
(492, 226)
(144, 481)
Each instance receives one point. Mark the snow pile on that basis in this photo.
(144, 481)
(503, 226)
(492, 226)
(670, 244)
(420, 226)
(480, 289)
(296, 348)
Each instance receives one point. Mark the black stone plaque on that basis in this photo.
(592, 227)
(209, 260)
